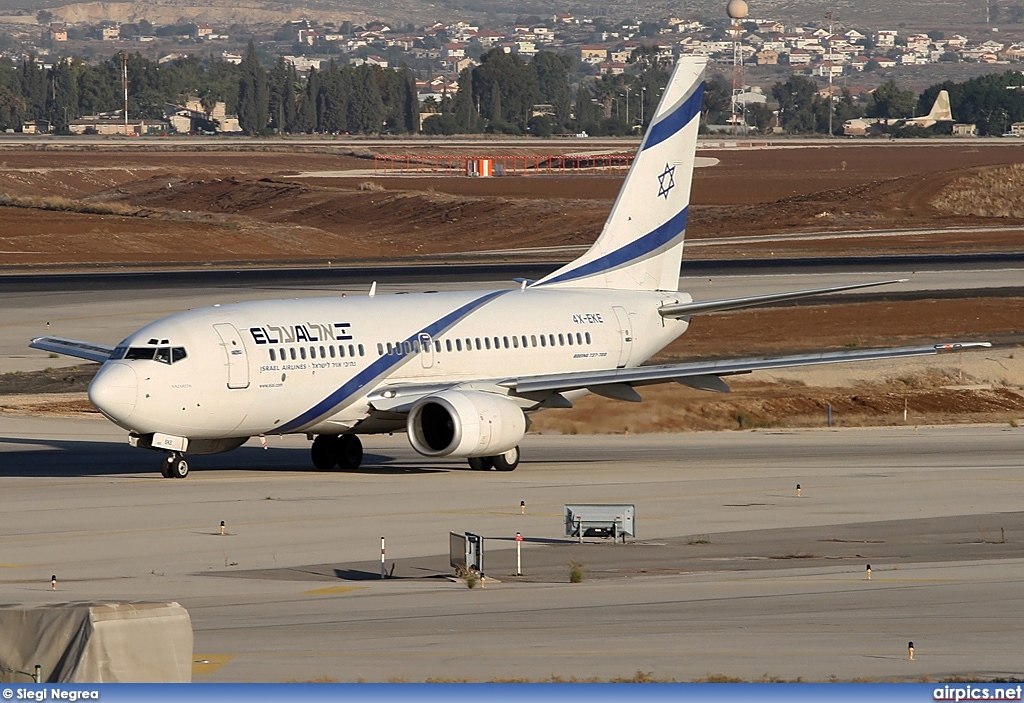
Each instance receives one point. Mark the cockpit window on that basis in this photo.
(140, 353)
(165, 355)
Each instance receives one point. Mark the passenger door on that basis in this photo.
(237, 361)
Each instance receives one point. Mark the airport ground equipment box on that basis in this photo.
(600, 520)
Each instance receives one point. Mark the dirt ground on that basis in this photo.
(229, 206)
(70, 208)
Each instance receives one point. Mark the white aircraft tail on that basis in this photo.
(641, 245)
(941, 110)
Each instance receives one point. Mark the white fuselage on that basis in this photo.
(312, 365)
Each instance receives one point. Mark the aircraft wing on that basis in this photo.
(683, 309)
(71, 347)
(705, 375)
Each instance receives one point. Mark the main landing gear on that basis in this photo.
(174, 466)
(344, 451)
(502, 462)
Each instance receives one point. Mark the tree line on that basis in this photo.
(503, 94)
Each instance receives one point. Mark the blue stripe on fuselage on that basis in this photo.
(630, 253)
(381, 367)
(675, 120)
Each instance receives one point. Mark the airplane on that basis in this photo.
(459, 372)
(940, 112)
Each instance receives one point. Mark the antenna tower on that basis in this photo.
(737, 11)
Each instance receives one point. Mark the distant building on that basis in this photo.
(965, 130)
(57, 32)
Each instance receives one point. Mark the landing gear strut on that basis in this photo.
(502, 462)
(342, 451)
(174, 466)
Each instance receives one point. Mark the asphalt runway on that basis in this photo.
(731, 573)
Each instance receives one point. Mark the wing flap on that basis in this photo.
(72, 347)
(700, 370)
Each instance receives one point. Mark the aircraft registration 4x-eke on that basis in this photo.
(458, 371)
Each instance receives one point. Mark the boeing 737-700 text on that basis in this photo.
(458, 371)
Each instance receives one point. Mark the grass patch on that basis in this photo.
(575, 572)
(699, 539)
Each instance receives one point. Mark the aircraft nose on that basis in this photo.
(115, 390)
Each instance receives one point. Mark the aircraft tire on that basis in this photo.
(507, 461)
(165, 466)
(323, 452)
(179, 467)
(348, 452)
(480, 463)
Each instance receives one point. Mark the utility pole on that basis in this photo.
(832, 58)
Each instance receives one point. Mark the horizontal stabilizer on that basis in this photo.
(72, 347)
(701, 306)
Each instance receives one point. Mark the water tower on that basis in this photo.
(737, 11)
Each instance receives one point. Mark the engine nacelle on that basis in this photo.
(465, 424)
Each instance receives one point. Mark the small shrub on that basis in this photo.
(370, 186)
(575, 572)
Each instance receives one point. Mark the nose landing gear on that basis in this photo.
(174, 466)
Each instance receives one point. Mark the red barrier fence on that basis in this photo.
(507, 165)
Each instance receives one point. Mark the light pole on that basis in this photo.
(627, 105)
(643, 96)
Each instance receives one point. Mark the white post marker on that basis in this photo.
(222, 527)
(519, 554)
(53, 582)
(383, 573)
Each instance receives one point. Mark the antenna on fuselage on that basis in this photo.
(373, 289)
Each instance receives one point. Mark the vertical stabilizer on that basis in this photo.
(941, 110)
(641, 245)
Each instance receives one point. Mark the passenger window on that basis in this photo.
(416, 346)
(407, 347)
(448, 344)
(588, 337)
(515, 342)
(322, 354)
(561, 340)
(568, 338)
(487, 342)
(302, 353)
(497, 343)
(533, 340)
(331, 350)
(312, 352)
(469, 344)
(437, 345)
(505, 340)
(291, 353)
(390, 349)
(458, 345)
(380, 349)
(543, 341)
(551, 340)
(341, 350)
(478, 345)
(272, 355)
(579, 338)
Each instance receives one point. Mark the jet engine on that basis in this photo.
(465, 424)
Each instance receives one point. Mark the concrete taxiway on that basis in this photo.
(731, 573)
